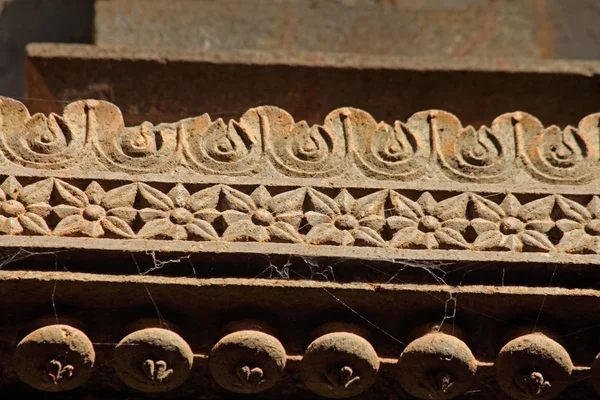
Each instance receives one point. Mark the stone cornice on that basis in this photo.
(203, 343)
(425, 189)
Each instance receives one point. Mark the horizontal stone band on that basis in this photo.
(394, 220)
(266, 143)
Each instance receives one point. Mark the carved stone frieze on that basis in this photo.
(387, 219)
(267, 142)
(428, 185)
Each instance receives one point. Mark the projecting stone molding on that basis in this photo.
(266, 142)
(428, 188)
(338, 363)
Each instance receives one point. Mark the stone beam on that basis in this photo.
(425, 189)
(138, 328)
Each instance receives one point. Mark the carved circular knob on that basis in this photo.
(533, 367)
(55, 358)
(153, 360)
(436, 366)
(339, 365)
(247, 361)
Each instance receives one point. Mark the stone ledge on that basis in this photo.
(106, 308)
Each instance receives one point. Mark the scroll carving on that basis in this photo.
(37, 141)
(466, 154)
(266, 142)
(219, 148)
(398, 152)
(552, 154)
(301, 150)
(143, 148)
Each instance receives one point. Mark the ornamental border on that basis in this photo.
(381, 224)
(431, 147)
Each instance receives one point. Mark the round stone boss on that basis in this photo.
(153, 360)
(533, 366)
(55, 358)
(339, 365)
(436, 366)
(247, 361)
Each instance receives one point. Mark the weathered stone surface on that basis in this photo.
(169, 85)
(428, 188)
(485, 314)
(406, 27)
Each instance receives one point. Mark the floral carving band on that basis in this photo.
(427, 188)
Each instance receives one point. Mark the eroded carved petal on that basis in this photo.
(232, 216)
(199, 229)
(575, 241)
(322, 203)
(179, 195)
(10, 226)
(244, 231)
(38, 192)
(567, 225)
(511, 205)
(594, 206)
(117, 226)
(34, 223)
(405, 207)
(315, 218)
(452, 208)
(374, 222)
(123, 196)
(11, 188)
(150, 214)
(155, 198)
(572, 209)
(487, 209)
(205, 199)
(457, 224)
(41, 209)
(325, 234)
(65, 210)
(237, 200)
(540, 226)
(488, 240)
(483, 225)
(71, 194)
(261, 197)
(408, 237)
(293, 218)
(92, 228)
(451, 237)
(369, 205)
(537, 210)
(208, 215)
(345, 201)
(287, 202)
(285, 232)
(70, 225)
(512, 242)
(537, 240)
(367, 236)
(126, 214)
(158, 228)
(94, 192)
(427, 202)
(397, 223)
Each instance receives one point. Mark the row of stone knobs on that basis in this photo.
(339, 363)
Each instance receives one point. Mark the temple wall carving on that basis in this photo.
(428, 189)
